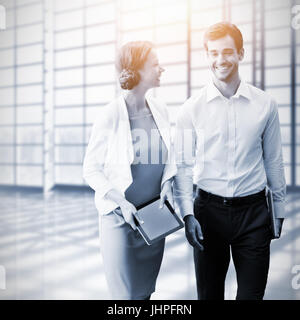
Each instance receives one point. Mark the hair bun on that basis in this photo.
(129, 79)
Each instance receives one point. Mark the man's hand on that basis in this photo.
(193, 232)
(279, 223)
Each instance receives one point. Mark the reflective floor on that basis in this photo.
(49, 249)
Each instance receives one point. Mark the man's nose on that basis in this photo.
(220, 58)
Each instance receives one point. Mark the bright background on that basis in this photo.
(57, 70)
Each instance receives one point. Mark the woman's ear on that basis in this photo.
(241, 54)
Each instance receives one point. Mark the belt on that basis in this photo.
(233, 201)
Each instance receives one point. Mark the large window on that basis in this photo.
(84, 79)
(85, 37)
(22, 94)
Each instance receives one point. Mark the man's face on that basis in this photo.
(223, 58)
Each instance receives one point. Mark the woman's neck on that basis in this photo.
(136, 101)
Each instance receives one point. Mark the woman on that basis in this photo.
(127, 163)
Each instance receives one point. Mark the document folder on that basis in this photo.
(270, 203)
(154, 223)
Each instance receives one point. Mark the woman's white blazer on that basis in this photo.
(110, 152)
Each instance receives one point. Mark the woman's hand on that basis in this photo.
(127, 208)
(166, 194)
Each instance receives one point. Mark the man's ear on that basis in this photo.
(241, 54)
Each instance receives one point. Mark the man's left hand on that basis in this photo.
(279, 223)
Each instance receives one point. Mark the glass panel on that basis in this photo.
(102, 13)
(100, 74)
(241, 13)
(100, 94)
(278, 18)
(146, 34)
(6, 58)
(30, 176)
(277, 57)
(177, 11)
(281, 76)
(29, 14)
(68, 116)
(6, 97)
(70, 19)
(67, 4)
(284, 115)
(200, 77)
(69, 39)
(68, 174)
(69, 77)
(135, 21)
(246, 72)
(281, 95)
(30, 94)
(69, 154)
(6, 134)
(6, 154)
(92, 113)
(278, 37)
(30, 54)
(100, 54)
(173, 94)
(171, 33)
(6, 175)
(69, 97)
(69, 135)
(6, 115)
(285, 134)
(7, 38)
(171, 54)
(30, 155)
(100, 34)
(7, 77)
(30, 134)
(29, 115)
(69, 58)
(286, 153)
(30, 74)
(30, 34)
(176, 73)
(206, 18)
(287, 170)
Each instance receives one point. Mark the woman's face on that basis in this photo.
(151, 72)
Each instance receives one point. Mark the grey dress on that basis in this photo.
(131, 266)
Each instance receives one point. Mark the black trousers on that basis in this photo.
(243, 228)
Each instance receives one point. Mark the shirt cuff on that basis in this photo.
(186, 207)
(279, 209)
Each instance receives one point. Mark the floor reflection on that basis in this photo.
(49, 249)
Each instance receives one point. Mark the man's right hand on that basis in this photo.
(193, 232)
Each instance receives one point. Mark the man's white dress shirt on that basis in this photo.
(231, 147)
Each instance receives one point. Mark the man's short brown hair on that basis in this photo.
(222, 29)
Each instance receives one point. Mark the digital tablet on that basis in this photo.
(154, 223)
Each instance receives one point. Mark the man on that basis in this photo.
(236, 149)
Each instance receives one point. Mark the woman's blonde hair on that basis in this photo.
(131, 58)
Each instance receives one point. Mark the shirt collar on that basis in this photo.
(213, 92)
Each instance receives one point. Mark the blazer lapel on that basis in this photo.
(162, 124)
(124, 119)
